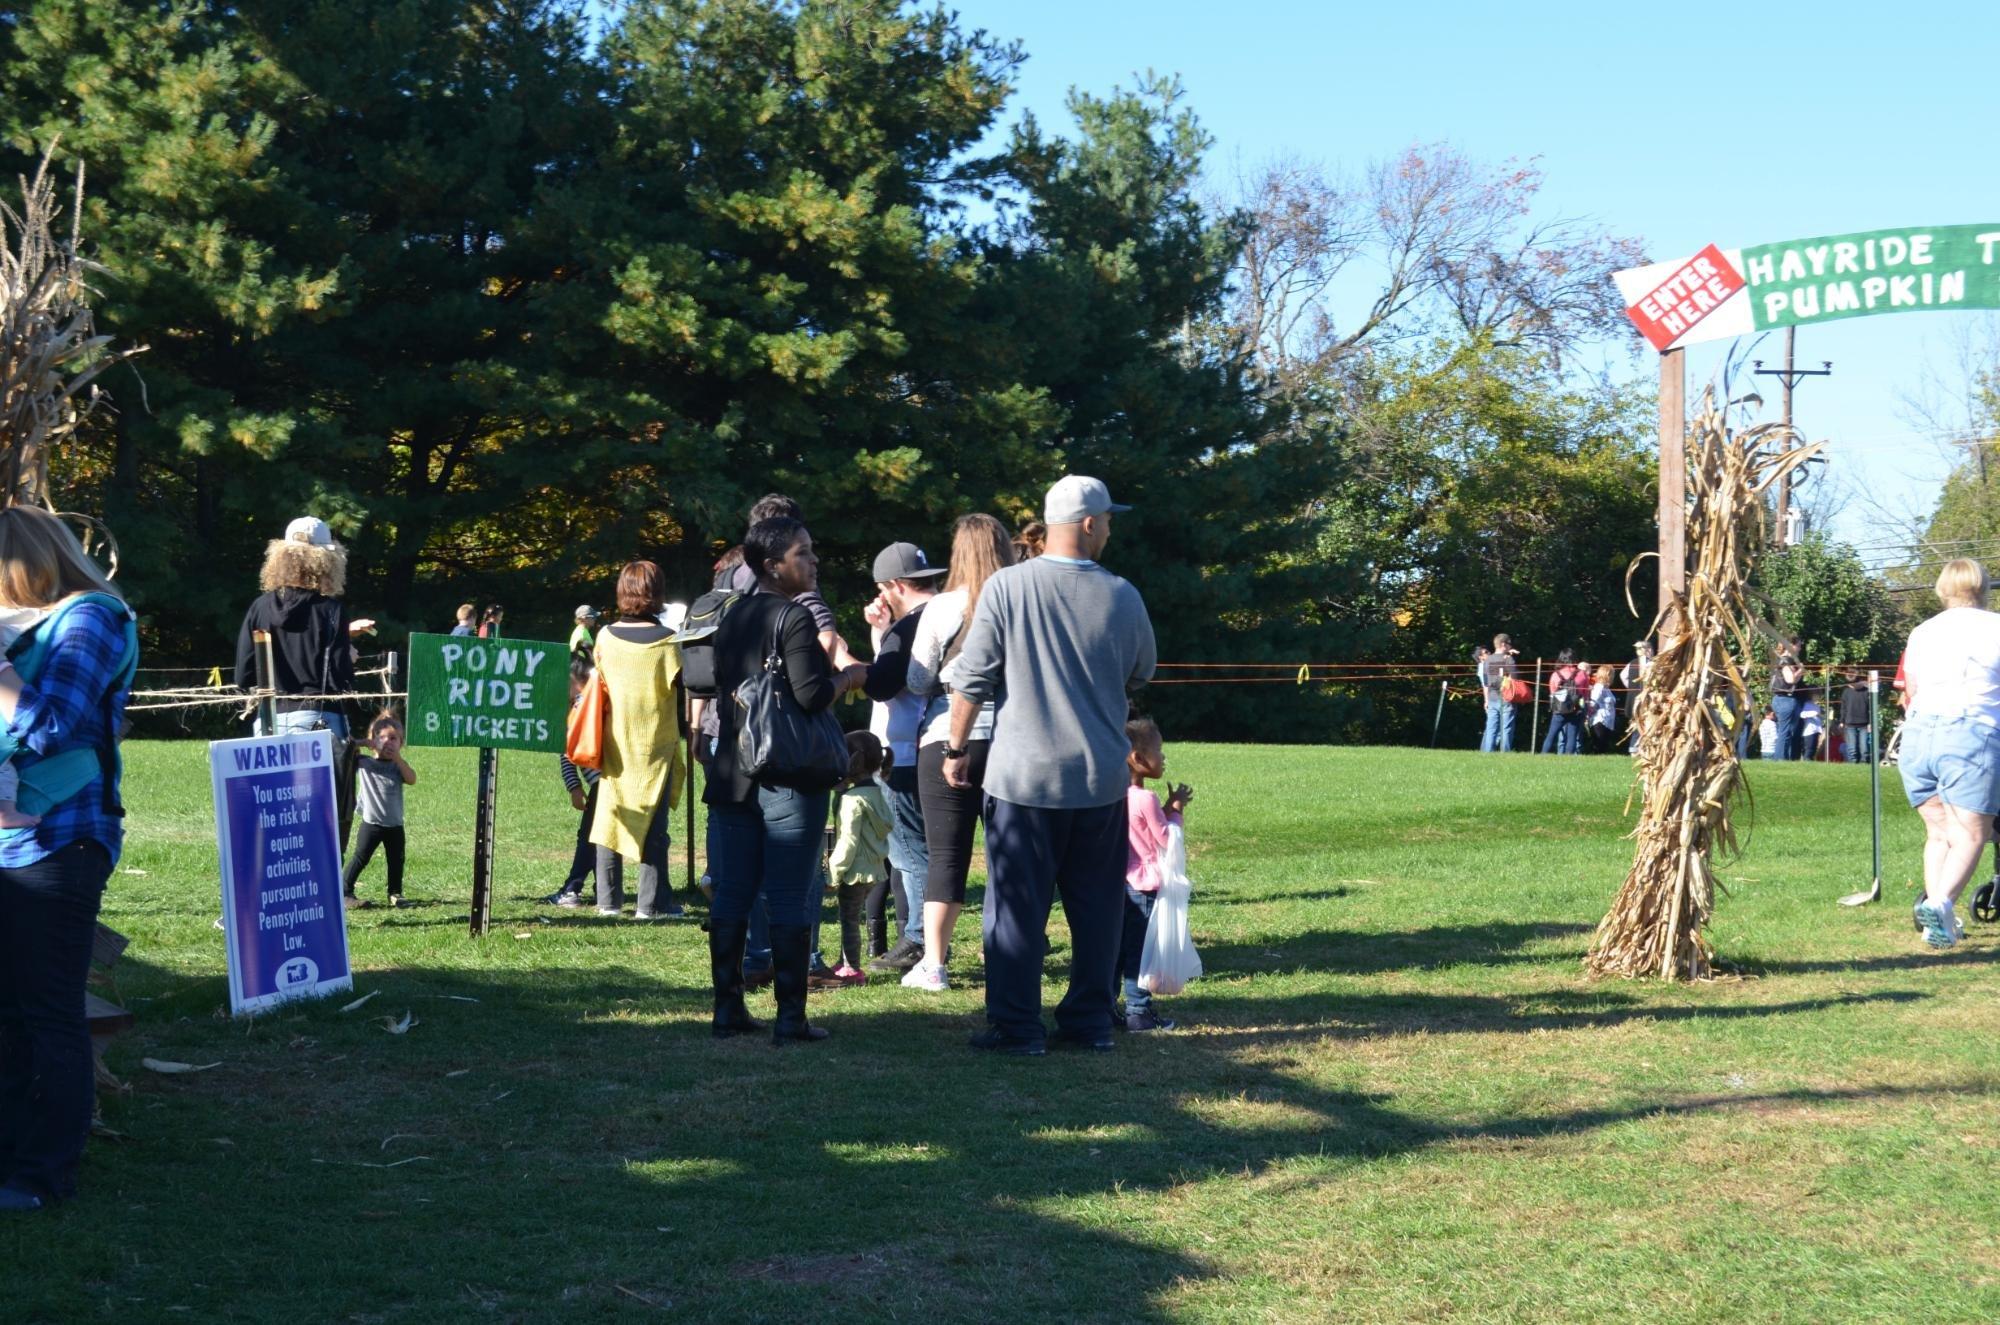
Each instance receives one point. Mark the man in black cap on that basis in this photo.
(905, 580)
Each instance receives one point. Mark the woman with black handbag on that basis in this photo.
(769, 780)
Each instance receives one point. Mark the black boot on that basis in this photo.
(725, 969)
(788, 964)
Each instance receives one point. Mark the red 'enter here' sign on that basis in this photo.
(1695, 290)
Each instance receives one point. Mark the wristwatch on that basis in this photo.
(950, 753)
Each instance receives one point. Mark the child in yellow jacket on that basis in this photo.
(861, 846)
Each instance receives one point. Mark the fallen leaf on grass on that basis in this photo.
(525, 934)
(359, 1164)
(170, 1068)
(395, 1027)
(140, 873)
(641, 1297)
(461, 1072)
(359, 1001)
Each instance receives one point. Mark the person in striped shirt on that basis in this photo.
(581, 783)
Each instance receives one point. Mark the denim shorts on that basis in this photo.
(1954, 759)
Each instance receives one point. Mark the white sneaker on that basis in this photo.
(925, 976)
(608, 911)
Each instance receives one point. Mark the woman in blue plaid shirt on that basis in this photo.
(52, 875)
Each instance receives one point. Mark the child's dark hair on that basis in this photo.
(384, 719)
(579, 669)
(1140, 728)
(866, 756)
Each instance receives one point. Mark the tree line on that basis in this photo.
(509, 297)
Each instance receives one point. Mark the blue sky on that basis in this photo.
(1680, 124)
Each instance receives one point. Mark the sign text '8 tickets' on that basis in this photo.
(502, 694)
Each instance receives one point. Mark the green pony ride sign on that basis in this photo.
(1719, 293)
(497, 694)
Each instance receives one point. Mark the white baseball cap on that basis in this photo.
(309, 529)
(1074, 497)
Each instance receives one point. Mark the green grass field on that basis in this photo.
(1398, 1097)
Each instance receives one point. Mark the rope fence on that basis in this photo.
(1456, 678)
(168, 698)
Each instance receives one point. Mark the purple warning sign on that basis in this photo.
(276, 830)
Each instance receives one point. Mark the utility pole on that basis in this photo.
(1790, 377)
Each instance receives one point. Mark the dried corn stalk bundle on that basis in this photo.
(50, 351)
(1688, 773)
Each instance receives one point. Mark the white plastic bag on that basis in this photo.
(1169, 960)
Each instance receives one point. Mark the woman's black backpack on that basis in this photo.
(697, 640)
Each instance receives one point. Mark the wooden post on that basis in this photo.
(482, 843)
(687, 787)
(1535, 727)
(1673, 477)
(267, 705)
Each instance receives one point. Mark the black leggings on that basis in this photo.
(950, 815)
(367, 837)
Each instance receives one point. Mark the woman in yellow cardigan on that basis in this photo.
(643, 774)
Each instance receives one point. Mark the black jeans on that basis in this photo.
(1033, 855)
(48, 921)
(366, 838)
(585, 856)
(950, 815)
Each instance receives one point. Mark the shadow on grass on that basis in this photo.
(613, 1156)
(1908, 961)
(1263, 1019)
(1213, 898)
(1499, 943)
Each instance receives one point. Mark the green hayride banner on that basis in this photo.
(1876, 271)
(1718, 293)
(501, 694)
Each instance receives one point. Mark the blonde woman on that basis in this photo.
(52, 873)
(979, 547)
(312, 637)
(1951, 741)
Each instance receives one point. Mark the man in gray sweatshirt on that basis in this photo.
(1056, 642)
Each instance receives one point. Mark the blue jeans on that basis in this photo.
(48, 922)
(1786, 707)
(1499, 727)
(908, 851)
(769, 843)
(1138, 914)
(1565, 734)
(757, 949)
(305, 720)
(1860, 747)
(1032, 855)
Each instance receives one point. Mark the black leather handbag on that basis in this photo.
(777, 741)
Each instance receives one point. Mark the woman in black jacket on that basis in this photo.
(767, 837)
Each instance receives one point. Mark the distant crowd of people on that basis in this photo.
(1581, 701)
(1582, 705)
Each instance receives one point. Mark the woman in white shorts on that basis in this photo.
(1951, 742)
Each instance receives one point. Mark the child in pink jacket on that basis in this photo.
(1146, 836)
